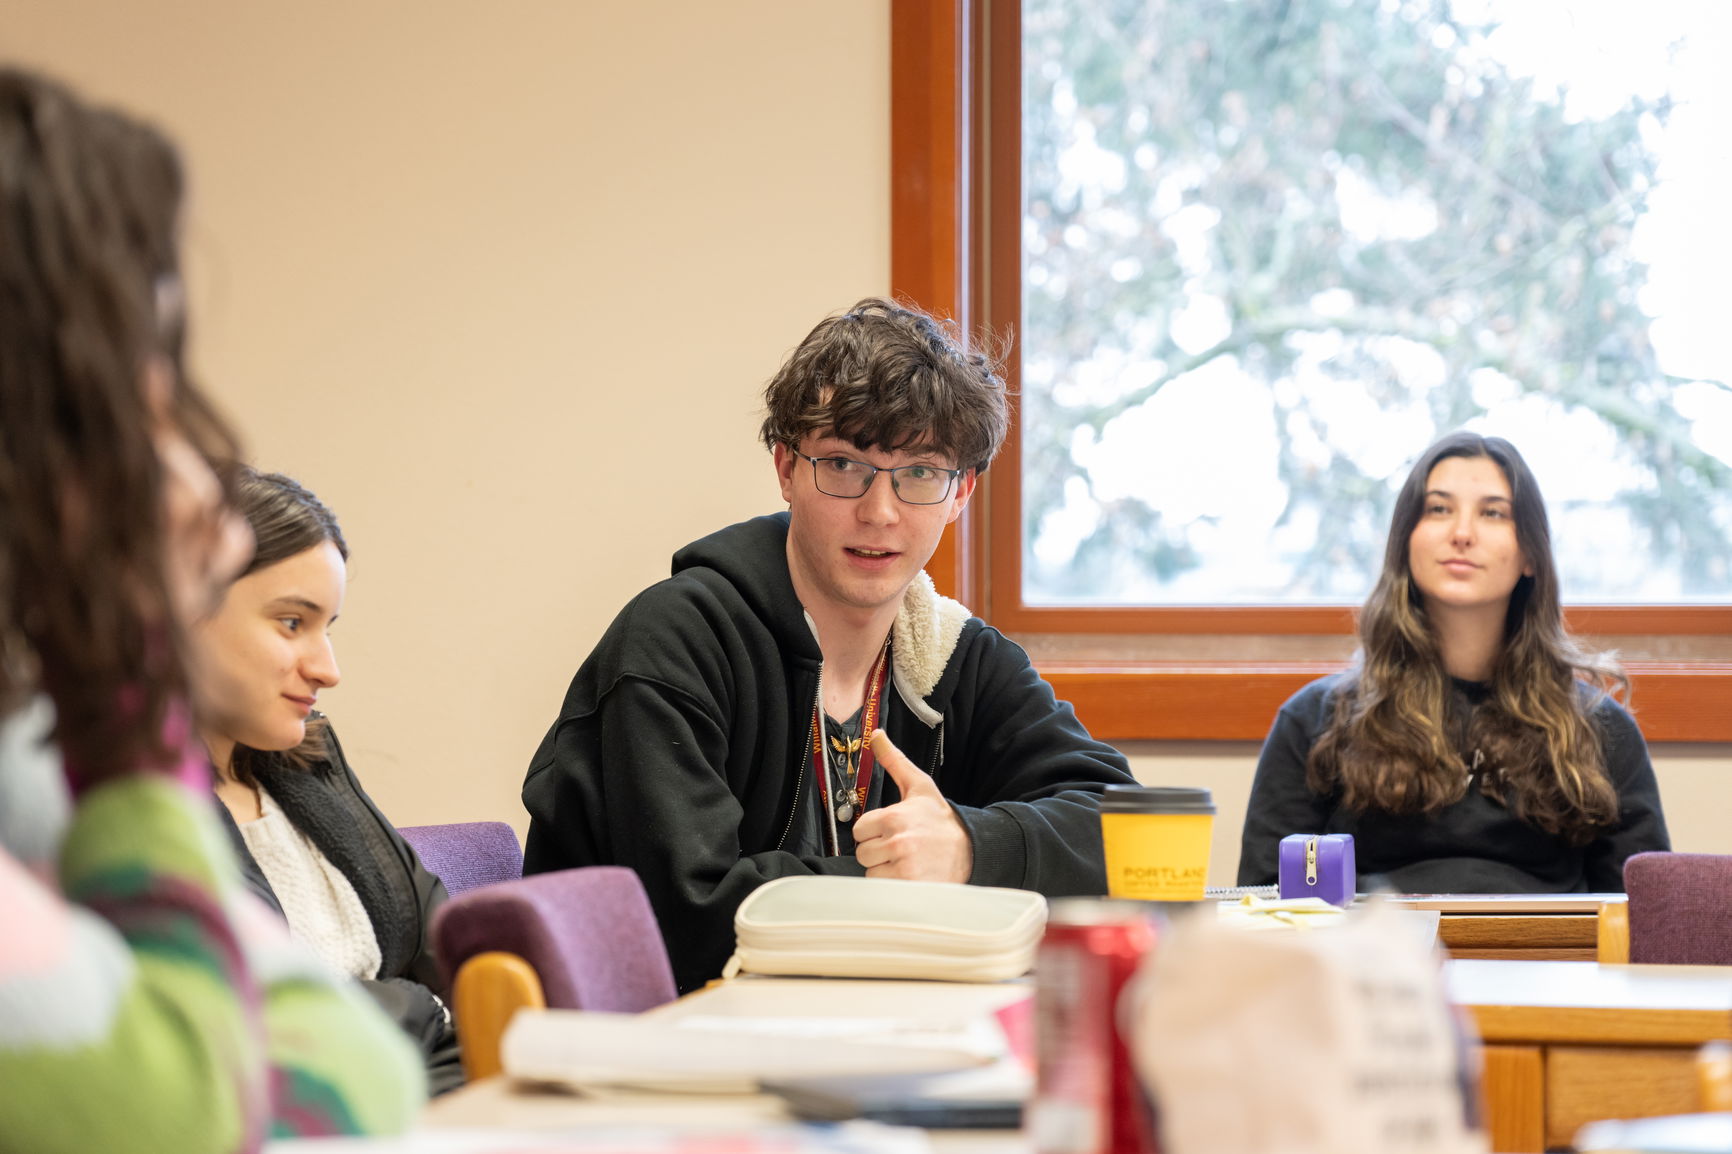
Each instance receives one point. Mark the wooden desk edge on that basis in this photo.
(1555, 1025)
(1519, 931)
(1538, 905)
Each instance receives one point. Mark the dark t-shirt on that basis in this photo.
(812, 836)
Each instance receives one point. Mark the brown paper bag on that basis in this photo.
(1324, 1041)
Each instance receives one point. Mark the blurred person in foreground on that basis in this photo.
(147, 1003)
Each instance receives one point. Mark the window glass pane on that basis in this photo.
(1274, 248)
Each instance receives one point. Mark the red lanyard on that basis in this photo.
(853, 803)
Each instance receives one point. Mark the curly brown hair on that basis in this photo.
(89, 289)
(1390, 744)
(885, 376)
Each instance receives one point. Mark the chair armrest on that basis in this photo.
(489, 989)
(1614, 933)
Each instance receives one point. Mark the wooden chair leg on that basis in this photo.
(1513, 1094)
(491, 988)
(1614, 933)
(1714, 1077)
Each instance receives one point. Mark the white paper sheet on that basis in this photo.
(576, 1048)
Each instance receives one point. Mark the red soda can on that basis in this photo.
(1087, 1098)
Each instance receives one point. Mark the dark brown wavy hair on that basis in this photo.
(286, 519)
(888, 377)
(89, 297)
(1391, 744)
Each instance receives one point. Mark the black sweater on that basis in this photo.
(326, 802)
(1472, 846)
(681, 749)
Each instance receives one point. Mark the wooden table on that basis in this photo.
(1567, 1043)
(1510, 927)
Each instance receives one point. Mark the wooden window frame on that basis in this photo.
(955, 144)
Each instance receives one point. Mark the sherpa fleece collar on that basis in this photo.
(923, 638)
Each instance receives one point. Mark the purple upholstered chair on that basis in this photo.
(577, 939)
(467, 854)
(1680, 908)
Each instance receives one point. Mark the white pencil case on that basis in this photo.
(849, 927)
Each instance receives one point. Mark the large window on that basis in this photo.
(1273, 248)
(1255, 255)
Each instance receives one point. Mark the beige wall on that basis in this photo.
(487, 277)
(501, 282)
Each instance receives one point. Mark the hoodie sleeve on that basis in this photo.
(647, 781)
(1641, 825)
(1023, 774)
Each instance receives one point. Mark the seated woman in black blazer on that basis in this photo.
(1472, 746)
(311, 842)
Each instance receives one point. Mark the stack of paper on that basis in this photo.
(850, 1138)
(711, 1055)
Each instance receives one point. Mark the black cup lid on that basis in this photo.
(1157, 799)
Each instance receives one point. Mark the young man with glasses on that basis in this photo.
(722, 733)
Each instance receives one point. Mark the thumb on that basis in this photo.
(910, 779)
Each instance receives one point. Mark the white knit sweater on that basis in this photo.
(322, 907)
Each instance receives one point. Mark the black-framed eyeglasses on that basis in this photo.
(912, 484)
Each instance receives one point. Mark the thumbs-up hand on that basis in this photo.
(920, 837)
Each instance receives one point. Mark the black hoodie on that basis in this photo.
(682, 747)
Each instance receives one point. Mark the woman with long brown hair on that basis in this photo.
(146, 1003)
(1472, 746)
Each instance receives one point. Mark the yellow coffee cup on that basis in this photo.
(1157, 841)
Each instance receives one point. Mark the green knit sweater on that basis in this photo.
(148, 1004)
